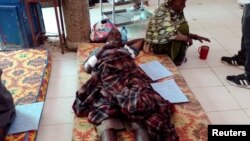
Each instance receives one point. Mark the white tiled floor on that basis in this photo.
(220, 20)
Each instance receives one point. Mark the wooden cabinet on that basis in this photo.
(15, 31)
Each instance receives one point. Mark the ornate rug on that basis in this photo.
(26, 74)
(190, 120)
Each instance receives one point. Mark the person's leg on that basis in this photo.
(246, 37)
(241, 58)
(108, 128)
(243, 80)
(162, 48)
(140, 132)
(109, 135)
(178, 49)
(134, 46)
(237, 60)
(141, 135)
(136, 43)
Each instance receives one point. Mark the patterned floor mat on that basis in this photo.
(190, 120)
(26, 74)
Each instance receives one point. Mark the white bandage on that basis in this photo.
(130, 51)
(92, 61)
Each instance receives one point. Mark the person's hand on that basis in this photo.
(200, 38)
(147, 48)
(189, 41)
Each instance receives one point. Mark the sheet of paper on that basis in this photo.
(155, 70)
(27, 117)
(170, 91)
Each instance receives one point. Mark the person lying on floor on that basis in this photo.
(118, 91)
(7, 109)
(133, 47)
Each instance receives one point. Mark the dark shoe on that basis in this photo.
(241, 80)
(234, 61)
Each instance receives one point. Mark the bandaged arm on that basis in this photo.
(90, 63)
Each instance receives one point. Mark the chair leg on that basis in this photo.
(59, 28)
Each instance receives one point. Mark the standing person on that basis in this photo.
(168, 31)
(243, 56)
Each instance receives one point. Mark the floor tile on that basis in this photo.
(62, 87)
(193, 60)
(229, 42)
(200, 77)
(58, 56)
(215, 99)
(57, 111)
(241, 95)
(214, 58)
(229, 117)
(237, 31)
(231, 22)
(62, 132)
(213, 45)
(220, 32)
(201, 32)
(208, 23)
(248, 112)
(63, 68)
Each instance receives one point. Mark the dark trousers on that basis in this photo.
(245, 40)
